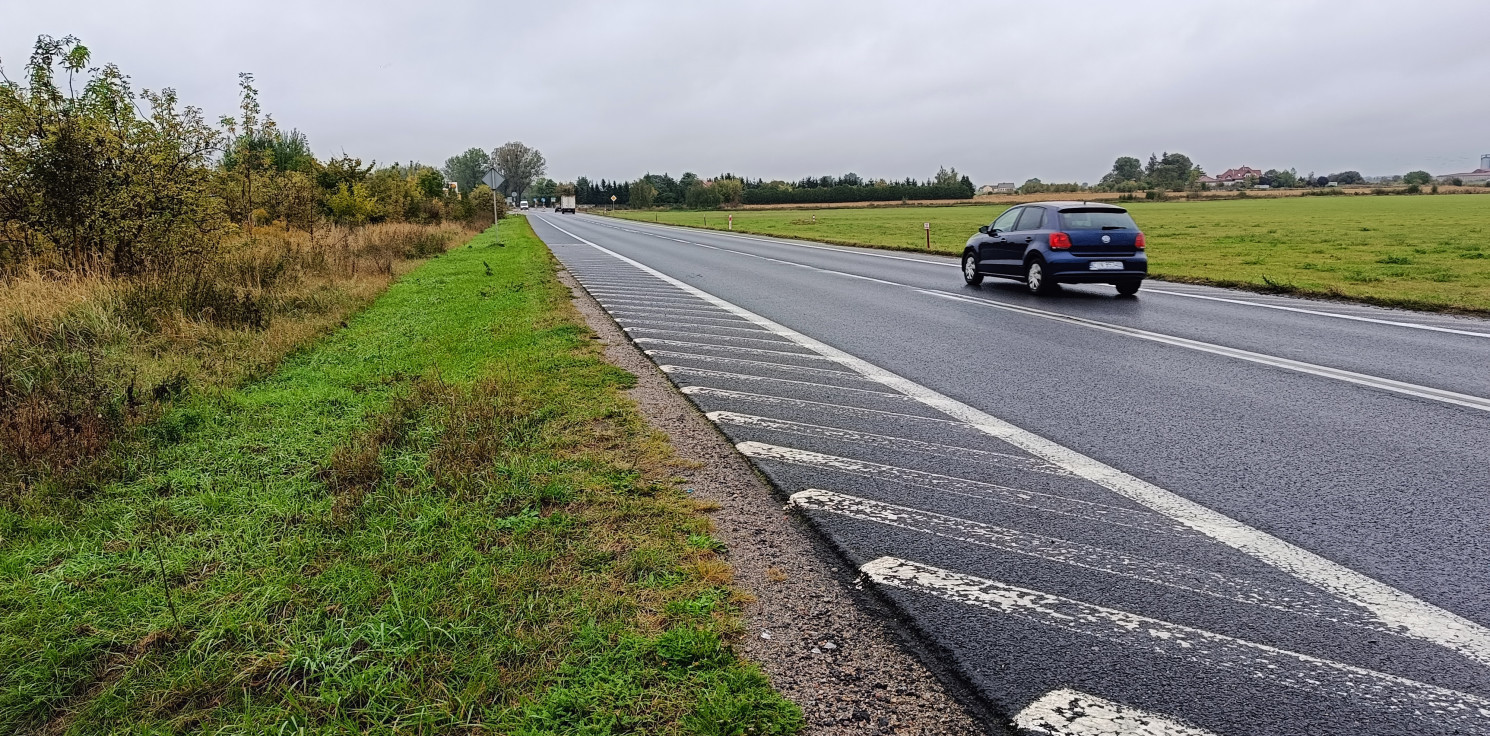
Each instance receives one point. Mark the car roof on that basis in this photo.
(1065, 204)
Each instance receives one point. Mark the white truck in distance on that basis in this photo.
(566, 204)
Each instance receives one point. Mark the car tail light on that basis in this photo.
(1139, 242)
(1060, 241)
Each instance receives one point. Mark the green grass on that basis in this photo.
(1422, 252)
(445, 517)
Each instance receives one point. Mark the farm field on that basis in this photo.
(445, 516)
(1424, 252)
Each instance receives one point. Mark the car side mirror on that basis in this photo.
(983, 229)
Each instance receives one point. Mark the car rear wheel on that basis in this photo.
(970, 270)
(1035, 278)
(1129, 288)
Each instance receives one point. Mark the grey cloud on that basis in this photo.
(1003, 91)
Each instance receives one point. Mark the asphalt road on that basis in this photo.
(1193, 511)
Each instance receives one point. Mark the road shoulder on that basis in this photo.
(848, 671)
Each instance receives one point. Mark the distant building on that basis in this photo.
(1208, 180)
(1233, 177)
(1478, 176)
(1006, 187)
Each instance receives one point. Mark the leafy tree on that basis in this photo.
(642, 193)
(468, 169)
(1171, 172)
(1347, 177)
(431, 184)
(519, 165)
(1124, 169)
(99, 176)
(251, 147)
(730, 190)
(1417, 177)
(350, 206)
(291, 152)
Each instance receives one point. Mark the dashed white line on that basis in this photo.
(1321, 313)
(1356, 685)
(1360, 379)
(684, 323)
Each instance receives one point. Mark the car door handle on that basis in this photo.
(1030, 239)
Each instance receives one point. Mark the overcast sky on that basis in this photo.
(1003, 91)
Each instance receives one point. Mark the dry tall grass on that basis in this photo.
(85, 358)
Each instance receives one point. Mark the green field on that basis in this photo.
(1426, 252)
(444, 517)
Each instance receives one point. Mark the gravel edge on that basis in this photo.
(824, 645)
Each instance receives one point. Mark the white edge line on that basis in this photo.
(1068, 712)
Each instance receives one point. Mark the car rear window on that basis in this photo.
(1096, 220)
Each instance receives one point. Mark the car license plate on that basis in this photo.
(1106, 266)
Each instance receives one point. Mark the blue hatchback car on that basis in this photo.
(1045, 244)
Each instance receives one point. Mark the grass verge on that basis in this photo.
(445, 517)
(1418, 252)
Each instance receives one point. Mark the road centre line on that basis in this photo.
(1336, 315)
(1281, 667)
(1361, 379)
(1179, 576)
(1394, 608)
(850, 250)
(904, 444)
(1069, 712)
(1049, 503)
(730, 348)
(681, 370)
(745, 361)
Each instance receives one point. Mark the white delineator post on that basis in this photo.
(927, 227)
(732, 222)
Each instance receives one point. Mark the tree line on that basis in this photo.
(728, 190)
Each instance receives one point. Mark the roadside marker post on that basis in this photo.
(732, 222)
(927, 227)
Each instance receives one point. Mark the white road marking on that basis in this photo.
(660, 314)
(729, 348)
(1361, 379)
(752, 363)
(669, 300)
(1307, 673)
(1306, 601)
(902, 444)
(711, 336)
(671, 310)
(1396, 609)
(1074, 713)
(681, 323)
(1320, 313)
(1048, 503)
(683, 370)
(789, 403)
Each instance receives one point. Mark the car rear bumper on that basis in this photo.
(1077, 269)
